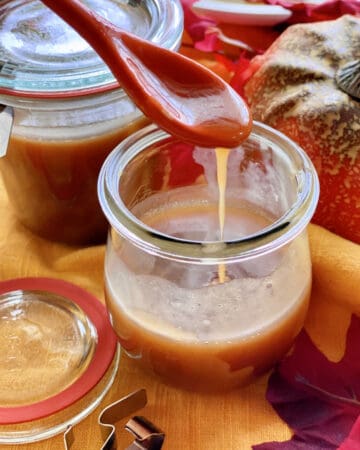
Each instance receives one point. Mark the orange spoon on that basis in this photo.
(178, 94)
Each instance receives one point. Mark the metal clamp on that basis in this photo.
(6, 123)
(147, 435)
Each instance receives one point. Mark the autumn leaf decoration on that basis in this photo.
(315, 11)
(317, 398)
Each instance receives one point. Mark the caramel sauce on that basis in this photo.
(218, 336)
(52, 184)
(204, 366)
(222, 156)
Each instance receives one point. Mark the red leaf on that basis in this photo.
(317, 398)
(328, 10)
(352, 441)
(242, 73)
(197, 27)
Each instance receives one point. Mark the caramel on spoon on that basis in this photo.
(180, 95)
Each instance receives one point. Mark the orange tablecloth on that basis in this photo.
(191, 421)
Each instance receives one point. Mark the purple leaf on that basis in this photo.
(317, 398)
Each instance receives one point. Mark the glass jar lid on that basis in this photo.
(40, 55)
(58, 357)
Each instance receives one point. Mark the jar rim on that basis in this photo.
(274, 236)
(42, 57)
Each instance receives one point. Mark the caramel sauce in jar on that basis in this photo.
(207, 267)
(51, 181)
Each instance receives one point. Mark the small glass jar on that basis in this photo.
(69, 111)
(207, 271)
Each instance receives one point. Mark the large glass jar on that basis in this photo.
(69, 111)
(207, 271)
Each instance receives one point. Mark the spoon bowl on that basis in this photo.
(180, 95)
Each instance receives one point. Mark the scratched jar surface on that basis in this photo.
(69, 111)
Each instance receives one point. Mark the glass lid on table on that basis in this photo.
(58, 357)
(40, 54)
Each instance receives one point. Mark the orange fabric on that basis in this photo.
(233, 421)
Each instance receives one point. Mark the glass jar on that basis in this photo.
(69, 111)
(207, 272)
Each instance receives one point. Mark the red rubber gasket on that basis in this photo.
(59, 94)
(103, 355)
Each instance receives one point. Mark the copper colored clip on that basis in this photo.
(147, 436)
(117, 411)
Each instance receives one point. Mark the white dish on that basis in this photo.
(242, 13)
